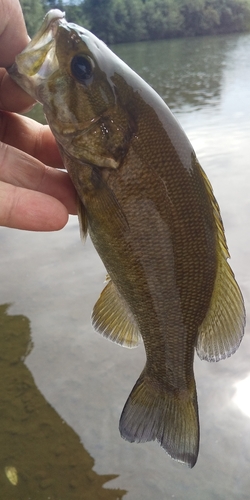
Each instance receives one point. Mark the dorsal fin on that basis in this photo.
(113, 319)
(222, 329)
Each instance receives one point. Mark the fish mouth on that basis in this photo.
(38, 60)
(47, 31)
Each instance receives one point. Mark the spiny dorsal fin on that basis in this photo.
(223, 327)
(112, 318)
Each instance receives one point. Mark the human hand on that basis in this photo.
(33, 194)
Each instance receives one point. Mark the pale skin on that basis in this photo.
(34, 194)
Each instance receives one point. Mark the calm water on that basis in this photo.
(62, 385)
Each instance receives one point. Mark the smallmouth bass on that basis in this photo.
(152, 216)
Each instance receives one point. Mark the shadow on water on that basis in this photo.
(41, 457)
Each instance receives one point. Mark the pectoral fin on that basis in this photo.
(112, 318)
(83, 221)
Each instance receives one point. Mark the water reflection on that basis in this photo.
(41, 456)
(241, 398)
(187, 75)
(184, 73)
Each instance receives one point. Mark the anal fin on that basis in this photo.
(112, 318)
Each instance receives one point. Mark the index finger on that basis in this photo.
(31, 137)
(12, 97)
(13, 33)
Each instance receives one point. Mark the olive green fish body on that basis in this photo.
(159, 256)
(153, 219)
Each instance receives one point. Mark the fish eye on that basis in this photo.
(82, 69)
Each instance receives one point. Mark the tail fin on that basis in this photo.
(171, 418)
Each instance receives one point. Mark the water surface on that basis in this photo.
(53, 360)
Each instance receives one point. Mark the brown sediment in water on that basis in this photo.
(41, 457)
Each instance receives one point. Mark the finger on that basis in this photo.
(24, 209)
(13, 39)
(13, 33)
(12, 97)
(31, 137)
(21, 170)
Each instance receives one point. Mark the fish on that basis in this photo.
(150, 211)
